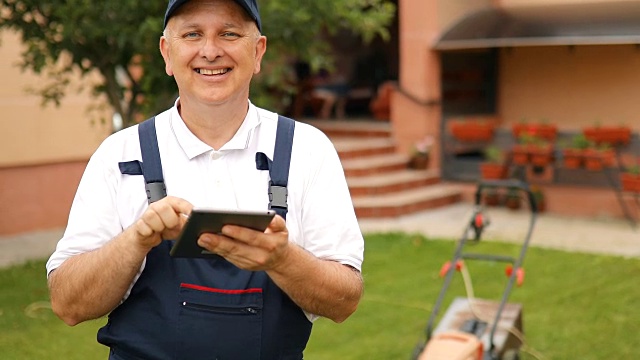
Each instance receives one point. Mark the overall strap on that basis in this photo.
(279, 168)
(151, 163)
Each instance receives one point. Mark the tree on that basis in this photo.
(118, 39)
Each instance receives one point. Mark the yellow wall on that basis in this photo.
(421, 22)
(573, 87)
(32, 134)
(452, 10)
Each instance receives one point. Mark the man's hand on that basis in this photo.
(90, 285)
(163, 219)
(321, 287)
(250, 249)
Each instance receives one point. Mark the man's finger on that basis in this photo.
(278, 224)
(180, 205)
(143, 229)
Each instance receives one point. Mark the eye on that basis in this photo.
(191, 35)
(230, 34)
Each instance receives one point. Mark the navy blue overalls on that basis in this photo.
(206, 308)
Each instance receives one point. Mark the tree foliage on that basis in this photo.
(114, 38)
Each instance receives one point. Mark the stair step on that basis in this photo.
(353, 128)
(405, 202)
(391, 182)
(351, 148)
(379, 181)
(374, 164)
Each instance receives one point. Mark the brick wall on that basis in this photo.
(37, 197)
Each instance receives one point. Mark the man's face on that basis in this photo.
(213, 49)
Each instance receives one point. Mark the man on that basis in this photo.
(114, 258)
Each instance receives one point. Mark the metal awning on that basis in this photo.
(603, 23)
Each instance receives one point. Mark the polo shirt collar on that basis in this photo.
(193, 147)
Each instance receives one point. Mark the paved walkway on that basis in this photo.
(24, 247)
(605, 236)
(614, 237)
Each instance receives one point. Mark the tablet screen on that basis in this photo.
(211, 221)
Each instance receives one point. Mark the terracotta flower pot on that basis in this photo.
(419, 162)
(593, 160)
(491, 199)
(608, 157)
(493, 171)
(520, 155)
(608, 134)
(547, 132)
(596, 160)
(519, 129)
(472, 130)
(630, 182)
(572, 158)
(541, 155)
(381, 105)
(513, 202)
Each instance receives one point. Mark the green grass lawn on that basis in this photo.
(576, 306)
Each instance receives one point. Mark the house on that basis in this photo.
(43, 150)
(570, 63)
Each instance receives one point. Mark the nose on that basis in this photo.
(211, 49)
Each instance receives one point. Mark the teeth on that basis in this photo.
(212, 72)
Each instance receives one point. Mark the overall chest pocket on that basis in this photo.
(220, 324)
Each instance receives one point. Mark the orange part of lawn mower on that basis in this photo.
(453, 345)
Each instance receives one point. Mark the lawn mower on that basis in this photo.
(479, 329)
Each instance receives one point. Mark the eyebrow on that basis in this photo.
(231, 25)
(187, 26)
(225, 26)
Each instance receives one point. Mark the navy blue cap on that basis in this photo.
(250, 6)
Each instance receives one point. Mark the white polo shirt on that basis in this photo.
(321, 218)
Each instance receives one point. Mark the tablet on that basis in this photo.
(211, 221)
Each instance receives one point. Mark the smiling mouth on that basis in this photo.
(209, 72)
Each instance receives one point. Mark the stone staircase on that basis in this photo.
(380, 183)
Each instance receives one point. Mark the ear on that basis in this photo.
(261, 48)
(164, 50)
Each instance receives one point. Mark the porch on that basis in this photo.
(383, 185)
(509, 62)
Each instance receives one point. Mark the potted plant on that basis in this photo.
(520, 151)
(472, 130)
(519, 128)
(494, 166)
(573, 154)
(532, 149)
(613, 135)
(538, 198)
(630, 178)
(547, 131)
(421, 152)
(541, 152)
(380, 106)
(542, 129)
(513, 200)
(598, 157)
(491, 197)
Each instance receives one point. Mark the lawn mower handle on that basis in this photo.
(483, 185)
